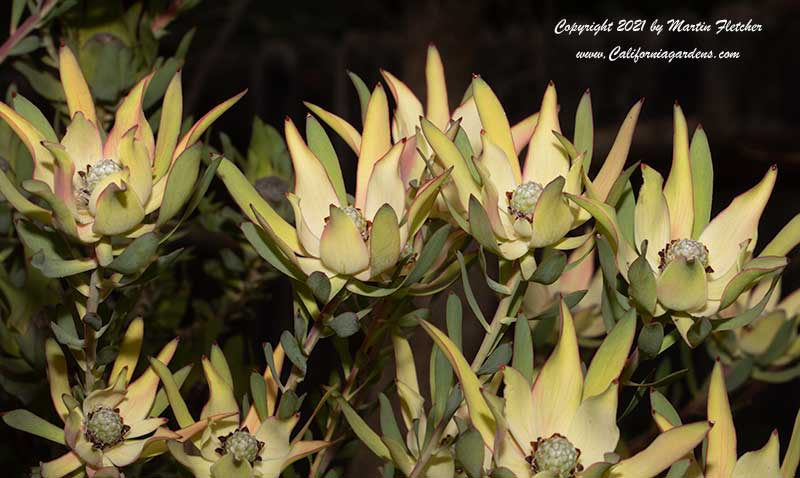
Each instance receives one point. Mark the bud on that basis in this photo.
(242, 446)
(522, 201)
(556, 455)
(687, 249)
(104, 427)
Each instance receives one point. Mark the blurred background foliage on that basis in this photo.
(219, 291)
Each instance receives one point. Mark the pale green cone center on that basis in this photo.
(686, 249)
(242, 446)
(104, 427)
(358, 219)
(522, 200)
(556, 455)
(93, 175)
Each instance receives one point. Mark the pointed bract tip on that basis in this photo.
(641, 100)
(587, 92)
(62, 43)
(204, 357)
(13, 94)
(475, 76)
(699, 126)
(179, 70)
(676, 104)
(550, 84)
(308, 115)
(773, 167)
(717, 359)
(775, 431)
(431, 45)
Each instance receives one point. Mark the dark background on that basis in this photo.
(290, 51)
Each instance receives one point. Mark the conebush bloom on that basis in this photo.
(234, 444)
(96, 184)
(512, 210)
(699, 265)
(362, 238)
(107, 428)
(563, 423)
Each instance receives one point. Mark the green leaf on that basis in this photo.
(44, 83)
(46, 252)
(320, 144)
(270, 252)
(550, 268)
(27, 422)
(293, 351)
(498, 358)
(34, 115)
(180, 182)
(198, 195)
(290, 404)
(454, 319)
(469, 453)
(258, 390)
(609, 360)
(702, 180)
(441, 382)
(17, 9)
(389, 426)
(137, 255)
(523, 348)
(643, 283)
(479, 225)
(471, 300)
(161, 402)
(270, 356)
(678, 469)
(698, 331)
(480, 413)
(364, 432)
(320, 286)
(661, 405)
(172, 390)
(433, 247)
(748, 316)
(621, 184)
(65, 336)
(650, 339)
(345, 324)
(363, 92)
(220, 364)
(783, 339)
(159, 82)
